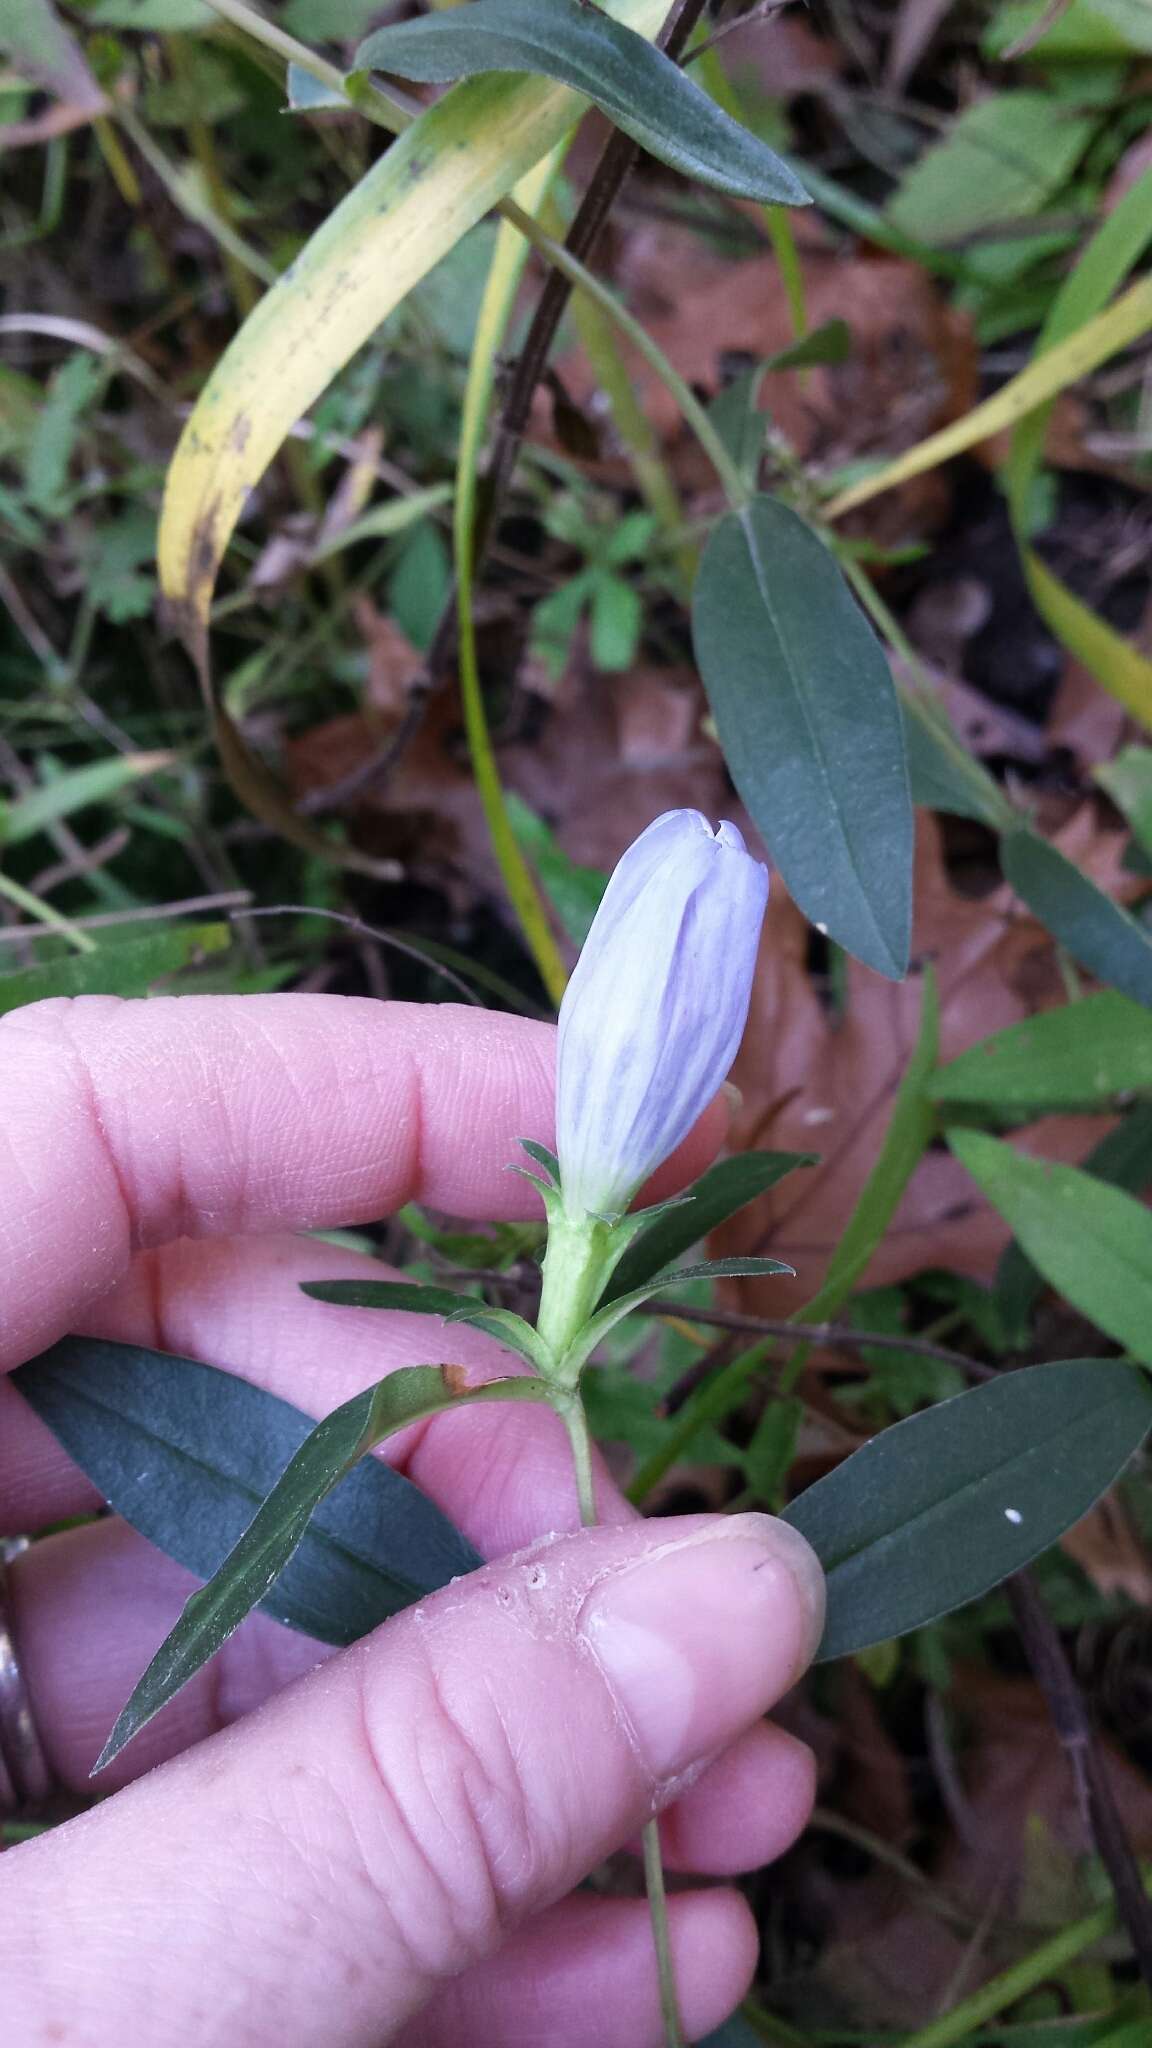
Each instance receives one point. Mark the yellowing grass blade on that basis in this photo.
(447, 170)
(1125, 321)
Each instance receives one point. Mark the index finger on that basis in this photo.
(125, 1124)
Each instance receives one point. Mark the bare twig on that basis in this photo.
(366, 931)
(836, 1336)
(227, 899)
(84, 861)
(376, 767)
(1074, 1732)
(763, 12)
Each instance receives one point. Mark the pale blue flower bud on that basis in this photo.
(654, 1013)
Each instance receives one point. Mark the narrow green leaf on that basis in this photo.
(831, 342)
(543, 1157)
(639, 88)
(1128, 781)
(409, 1298)
(434, 1301)
(726, 1188)
(1096, 931)
(909, 1129)
(383, 522)
(999, 160)
(1092, 1242)
(1123, 1158)
(1118, 243)
(606, 1319)
(187, 1454)
(96, 783)
(1079, 1057)
(128, 968)
(252, 1567)
(936, 1510)
(810, 726)
(740, 423)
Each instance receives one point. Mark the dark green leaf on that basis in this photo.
(1079, 1057)
(831, 342)
(810, 726)
(1124, 1159)
(1096, 931)
(726, 1188)
(606, 1319)
(186, 1454)
(739, 422)
(646, 95)
(1093, 1243)
(735, 2033)
(543, 1157)
(127, 968)
(410, 1299)
(432, 1301)
(252, 1567)
(937, 1509)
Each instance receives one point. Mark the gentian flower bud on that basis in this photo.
(655, 1010)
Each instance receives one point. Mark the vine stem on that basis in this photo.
(576, 1423)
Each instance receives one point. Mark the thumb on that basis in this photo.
(318, 1870)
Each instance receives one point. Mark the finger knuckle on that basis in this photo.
(457, 1843)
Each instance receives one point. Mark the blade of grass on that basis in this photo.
(1123, 323)
(1118, 243)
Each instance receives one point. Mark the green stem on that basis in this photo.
(921, 703)
(674, 2036)
(710, 70)
(575, 1422)
(577, 1265)
(571, 1409)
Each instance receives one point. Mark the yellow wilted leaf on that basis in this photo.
(444, 173)
(1125, 321)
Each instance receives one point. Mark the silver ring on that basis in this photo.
(25, 1777)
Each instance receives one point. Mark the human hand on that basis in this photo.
(383, 1849)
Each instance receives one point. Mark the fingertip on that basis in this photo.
(715, 1950)
(747, 1809)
